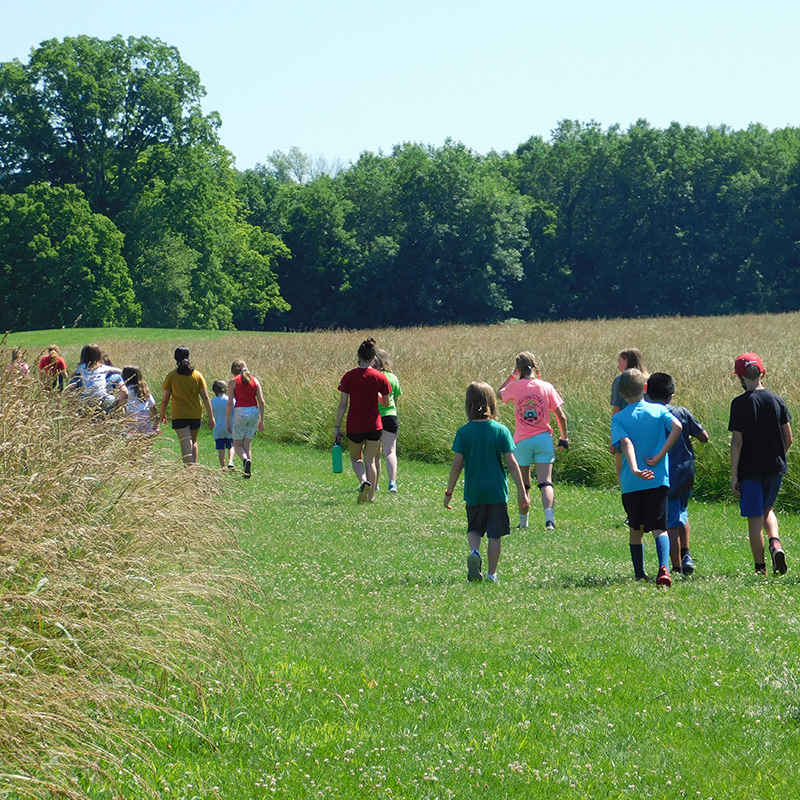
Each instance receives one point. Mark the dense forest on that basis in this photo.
(119, 206)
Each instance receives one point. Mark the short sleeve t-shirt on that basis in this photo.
(363, 386)
(219, 405)
(185, 391)
(533, 402)
(681, 456)
(483, 445)
(759, 416)
(647, 425)
(52, 367)
(391, 409)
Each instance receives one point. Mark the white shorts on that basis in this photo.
(245, 422)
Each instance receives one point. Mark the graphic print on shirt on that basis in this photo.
(529, 408)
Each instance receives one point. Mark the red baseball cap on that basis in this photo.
(745, 360)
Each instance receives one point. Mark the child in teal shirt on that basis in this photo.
(481, 446)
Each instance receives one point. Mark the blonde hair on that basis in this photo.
(631, 383)
(240, 368)
(480, 402)
(526, 364)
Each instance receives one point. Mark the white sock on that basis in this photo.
(523, 520)
(549, 515)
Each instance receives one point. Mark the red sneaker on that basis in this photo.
(663, 578)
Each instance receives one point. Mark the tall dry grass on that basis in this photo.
(300, 373)
(110, 580)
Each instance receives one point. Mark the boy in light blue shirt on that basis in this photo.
(222, 437)
(644, 432)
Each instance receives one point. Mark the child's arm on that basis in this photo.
(164, 403)
(561, 418)
(455, 471)
(229, 409)
(212, 423)
(736, 451)
(340, 412)
(629, 454)
(260, 401)
(786, 432)
(514, 471)
(674, 434)
(510, 379)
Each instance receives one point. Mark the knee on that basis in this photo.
(545, 484)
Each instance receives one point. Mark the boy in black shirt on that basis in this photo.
(759, 423)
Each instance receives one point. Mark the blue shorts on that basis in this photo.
(677, 510)
(490, 519)
(224, 444)
(757, 494)
(536, 450)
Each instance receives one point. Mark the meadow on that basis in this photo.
(357, 662)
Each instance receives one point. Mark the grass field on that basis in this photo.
(368, 667)
(372, 669)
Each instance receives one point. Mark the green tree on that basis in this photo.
(60, 262)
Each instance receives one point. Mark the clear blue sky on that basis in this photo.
(338, 77)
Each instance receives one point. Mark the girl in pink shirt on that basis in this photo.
(534, 399)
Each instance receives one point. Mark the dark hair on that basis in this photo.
(480, 402)
(366, 352)
(91, 355)
(660, 386)
(133, 380)
(382, 360)
(219, 387)
(240, 368)
(182, 360)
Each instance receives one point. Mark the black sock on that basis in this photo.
(761, 567)
(684, 551)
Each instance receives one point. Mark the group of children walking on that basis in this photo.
(652, 439)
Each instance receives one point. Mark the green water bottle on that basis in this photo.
(336, 457)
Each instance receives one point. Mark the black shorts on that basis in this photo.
(390, 424)
(192, 424)
(647, 509)
(360, 438)
(489, 518)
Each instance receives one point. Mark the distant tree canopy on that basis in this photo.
(593, 223)
(119, 121)
(119, 204)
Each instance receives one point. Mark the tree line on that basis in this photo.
(119, 204)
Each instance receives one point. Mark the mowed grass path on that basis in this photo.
(373, 669)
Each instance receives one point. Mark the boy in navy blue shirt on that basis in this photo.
(644, 432)
(660, 389)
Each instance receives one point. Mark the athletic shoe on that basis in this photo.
(491, 578)
(779, 561)
(363, 492)
(640, 578)
(247, 467)
(231, 466)
(687, 565)
(549, 525)
(474, 565)
(663, 578)
(392, 487)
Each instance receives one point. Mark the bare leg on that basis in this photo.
(188, 450)
(755, 527)
(389, 441)
(238, 448)
(544, 474)
(229, 455)
(221, 454)
(493, 548)
(357, 460)
(372, 451)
